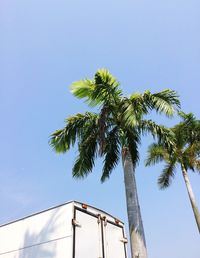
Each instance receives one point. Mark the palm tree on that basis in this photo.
(185, 152)
(112, 133)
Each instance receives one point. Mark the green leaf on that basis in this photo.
(164, 135)
(168, 173)
(156, 153)
(111, 153)
(132, 141)
(87, 153)
(61, 140)
(166, 101)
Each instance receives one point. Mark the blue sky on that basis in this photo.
(44, 47)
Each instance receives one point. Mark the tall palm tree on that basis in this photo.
(185, 152)
(112, 133)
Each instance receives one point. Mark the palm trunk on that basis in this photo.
(191, 196)
(137, 238)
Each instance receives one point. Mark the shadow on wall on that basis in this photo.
(40, 244)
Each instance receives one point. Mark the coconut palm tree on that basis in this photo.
(184, 152)
(114, 132)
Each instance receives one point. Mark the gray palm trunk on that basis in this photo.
(191, 196)
(136, 230)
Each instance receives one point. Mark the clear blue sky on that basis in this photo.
(44, 47)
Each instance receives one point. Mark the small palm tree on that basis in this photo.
(112, 133)
(185, 151)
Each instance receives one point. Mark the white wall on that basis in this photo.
(38, 235)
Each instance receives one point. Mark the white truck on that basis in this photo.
(70, 230)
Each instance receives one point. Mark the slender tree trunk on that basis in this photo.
(137, 238)
(191, 196)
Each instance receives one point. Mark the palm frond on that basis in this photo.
(164, 135)
(106, 87)
(139, 104)
(188, 130)
(156, 153)
(88, 149)
(181, 136)
(197, 165)
(132, 109)
(166, 101)
(191, 156)
(102, 123)
(103, 89)
(187, 117)
(132, 142)
(168, 173)
(193, 150)
(111, 153)
(61, 140)
(83, 89)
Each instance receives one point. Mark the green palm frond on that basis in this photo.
(111, 153)
(106, 87)
(139, 104)
(191, 156)
(190, 126)
(102, 123)
(166, 101)
(104, 78)
(181, 136)
(61, 140)
(58, 141)
(183, 131)
(168, 173)
(187, 132)
(88, 149)
(103, 89)
(156, 153)
(84, 89)
(197, 165)
(193, 150)
(132, 142)
(132, 109)
(163, 134)
(187, 118)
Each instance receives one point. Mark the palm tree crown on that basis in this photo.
(119, 123)
(185, 151)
